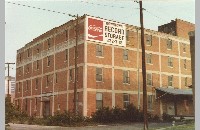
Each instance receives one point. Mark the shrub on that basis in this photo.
(167, 117)
(106, 115)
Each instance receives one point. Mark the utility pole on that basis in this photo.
(8, 94)
(143, 69)
(75, 62)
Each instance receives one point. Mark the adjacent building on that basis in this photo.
(109, 69)
(11, 86)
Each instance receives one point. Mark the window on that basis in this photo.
(126, 100)
(28, 52)
(99, 100)
(99, 74)
(56, 78)
(26, 104)
(48, 60)
(38, 50)
(185, 64)
(150, 102)
(48, 80)
(36, 83)
(66, 54)
(127, 35)
(36, 102)
(125, 54)
(170, 81)
(18, 88)
(169, 44)
(17, 103)
(149, 79)
(75, 53)
(148, 58)
(20, 71)
(126, 78)
(170, 61)
(27, 68)
(66, 34)
(184, 47)
(37, 64)
(186, 82)
(49, 43)
(70, 74)
(26, 85)
(20, 57)
(99, 50)
(58, 106)
(148, 40)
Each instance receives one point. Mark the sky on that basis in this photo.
(23, 23)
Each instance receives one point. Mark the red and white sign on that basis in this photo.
(105, 31)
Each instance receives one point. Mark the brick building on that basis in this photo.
(109, 69)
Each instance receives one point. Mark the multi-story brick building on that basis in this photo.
(109, 69)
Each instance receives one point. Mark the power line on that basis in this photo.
(38, 8)
(103, 5)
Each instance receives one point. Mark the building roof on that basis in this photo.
(175, 91)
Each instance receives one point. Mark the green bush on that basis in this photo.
(114, 115)
(167, 117)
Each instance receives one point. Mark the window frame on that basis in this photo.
(148, 40)
(99, 74)
(99, 100)
(149, 80)
(48, 61)
(185, 64)
(47, 81)
(170, 61)
(150, 102)
(125, 54)
(184, 47)
(169, 44)
(149, 58)
(99, 50)
(170, 81)
(126, 76)
(186, 82)
(36, 83)
(126, 102)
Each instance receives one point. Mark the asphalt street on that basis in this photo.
(134, 126)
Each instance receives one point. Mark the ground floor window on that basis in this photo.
(99, 100)
(126, 99)
(150, 102)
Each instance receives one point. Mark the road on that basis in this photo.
(135, 126)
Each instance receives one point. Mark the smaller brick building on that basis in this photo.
(178, 28)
